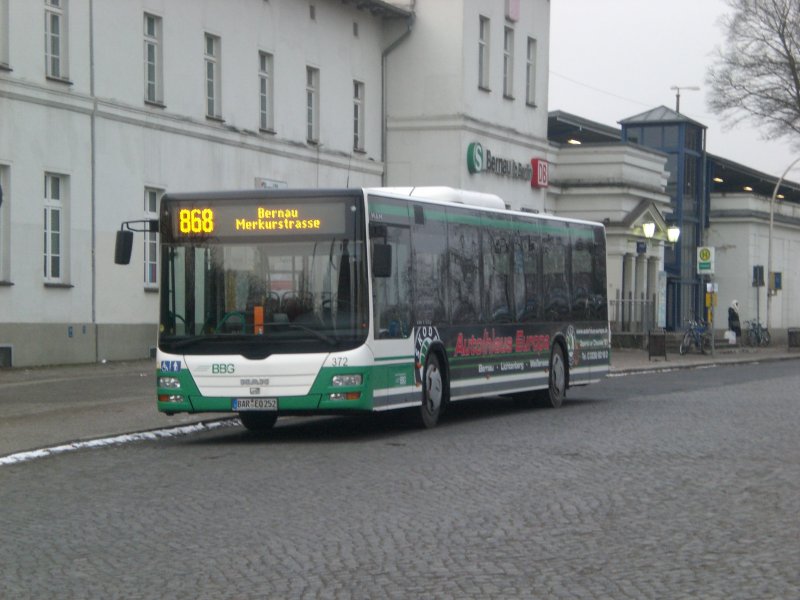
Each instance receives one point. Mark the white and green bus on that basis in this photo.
(308, 302)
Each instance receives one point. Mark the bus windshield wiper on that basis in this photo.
(317, 334)
(215, 337)
(248, 338)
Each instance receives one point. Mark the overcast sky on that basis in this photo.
(612, 59)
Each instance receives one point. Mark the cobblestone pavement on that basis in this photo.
(47, 406)
(682, 484)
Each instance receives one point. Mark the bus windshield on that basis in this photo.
(256, 293)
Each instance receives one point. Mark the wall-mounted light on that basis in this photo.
(673, 233)
(574, 142)
(780, 196)
(649, 229)
(747, 188)
(718, 180)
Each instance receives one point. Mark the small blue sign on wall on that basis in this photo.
(775, 281)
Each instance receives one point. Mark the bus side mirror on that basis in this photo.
(123, 247)
(382, 260)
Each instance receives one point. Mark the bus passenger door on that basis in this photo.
(390, 278)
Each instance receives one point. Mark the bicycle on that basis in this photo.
(697, 335)
(757, 334)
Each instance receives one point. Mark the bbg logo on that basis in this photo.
(222, 368)
(475, 157)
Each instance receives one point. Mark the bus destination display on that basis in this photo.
(235, 219)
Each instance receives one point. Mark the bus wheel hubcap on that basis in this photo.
(558, 374)
(434, 389)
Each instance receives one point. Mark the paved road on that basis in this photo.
(669, 485)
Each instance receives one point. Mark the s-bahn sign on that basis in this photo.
(480, 160)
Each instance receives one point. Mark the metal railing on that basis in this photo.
(632, 314)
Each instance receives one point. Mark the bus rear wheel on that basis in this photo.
(556, 390)
(433, 392)
(258, 422)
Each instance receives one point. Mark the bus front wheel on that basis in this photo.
(433, 392)
(258, 422)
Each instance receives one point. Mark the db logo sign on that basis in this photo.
(475, 157)
(540, 177)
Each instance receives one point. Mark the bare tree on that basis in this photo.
(755, 75)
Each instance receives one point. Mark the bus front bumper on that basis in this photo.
(182, 395)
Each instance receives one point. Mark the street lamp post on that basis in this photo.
(771, 225)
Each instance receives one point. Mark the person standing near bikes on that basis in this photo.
(734, 324)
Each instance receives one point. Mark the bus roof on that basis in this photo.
(477, 200)
(446, 194)
(433, 194)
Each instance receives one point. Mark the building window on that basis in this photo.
(530, 73)
(55, 38)
(358, 116)
(54, 227)
(5, 203)
(266, 98)
(4, 60)
(152, 199)
(213, 77)
(312, 104)
(153, 62)
(483, 53)
(508, 62)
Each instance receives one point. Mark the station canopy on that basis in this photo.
(727, 176)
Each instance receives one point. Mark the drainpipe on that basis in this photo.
(384, 56)
(93, 207)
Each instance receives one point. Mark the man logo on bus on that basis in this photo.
(475, 157)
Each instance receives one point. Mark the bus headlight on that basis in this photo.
(170, 383)
(337, 396)
(347, 380)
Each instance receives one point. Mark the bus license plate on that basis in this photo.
(240, 404)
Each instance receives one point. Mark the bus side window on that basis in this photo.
(581, 270)
(464, 258)
(497, 268)
(554, 273)
(527, 272)
(599, 289)
(429, 251)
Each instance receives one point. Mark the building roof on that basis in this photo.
(727, 176)
(382, 8)
(566, 128)
(660, 114)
